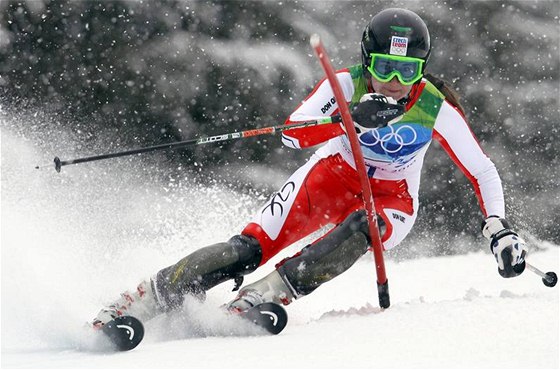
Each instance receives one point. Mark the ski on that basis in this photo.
(124, 332)
(269, 316)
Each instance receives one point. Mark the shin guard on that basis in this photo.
(328, 257)
(206, 268)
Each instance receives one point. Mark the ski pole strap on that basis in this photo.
(238, 282)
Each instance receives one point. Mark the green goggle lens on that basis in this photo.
(385, 67)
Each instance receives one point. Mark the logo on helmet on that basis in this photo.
(399, 45)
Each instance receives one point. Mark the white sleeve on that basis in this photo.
(321, 102)
(454, 134)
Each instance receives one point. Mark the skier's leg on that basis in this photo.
(316, 264)
(329, 257)
(194, 274)
(206, 268)
(336, 252)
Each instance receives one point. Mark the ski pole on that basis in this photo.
(203, 140)
(549, 279)
(382, 282)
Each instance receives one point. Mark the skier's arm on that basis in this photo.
(319, 104)
(454, 134)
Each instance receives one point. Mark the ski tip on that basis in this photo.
(268, 316)
(124, 332)
(315, 40)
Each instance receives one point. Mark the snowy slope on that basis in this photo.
(73, 241)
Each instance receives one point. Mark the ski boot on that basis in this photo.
(261, 303)
(141, 304)
(245, 300)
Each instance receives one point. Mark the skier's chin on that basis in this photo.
(392, 89)
(395, 94)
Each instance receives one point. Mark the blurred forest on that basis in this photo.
(137, 73)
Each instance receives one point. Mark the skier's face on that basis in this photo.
(393, 88)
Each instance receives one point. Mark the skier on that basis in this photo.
(397, 111)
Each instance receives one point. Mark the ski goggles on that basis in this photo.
(407, 69)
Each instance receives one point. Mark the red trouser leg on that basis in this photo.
(324, 191)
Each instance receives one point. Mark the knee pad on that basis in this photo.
(249, 252)
(357, 221)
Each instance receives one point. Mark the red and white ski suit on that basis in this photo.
(326, 189)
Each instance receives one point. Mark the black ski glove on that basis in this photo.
(374, 111)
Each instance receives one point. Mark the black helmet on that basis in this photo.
(398, 32)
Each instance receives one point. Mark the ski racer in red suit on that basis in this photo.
(397, 111)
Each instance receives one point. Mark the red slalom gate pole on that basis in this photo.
(382, 282)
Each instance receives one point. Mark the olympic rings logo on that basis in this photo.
(397, 137)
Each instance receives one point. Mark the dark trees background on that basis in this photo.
(138, 73)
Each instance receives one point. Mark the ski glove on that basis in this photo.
(374, 111)
(508, 248)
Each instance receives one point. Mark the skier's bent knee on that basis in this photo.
(330, 256)
(316, 264)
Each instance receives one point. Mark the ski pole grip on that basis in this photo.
(383, 293)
